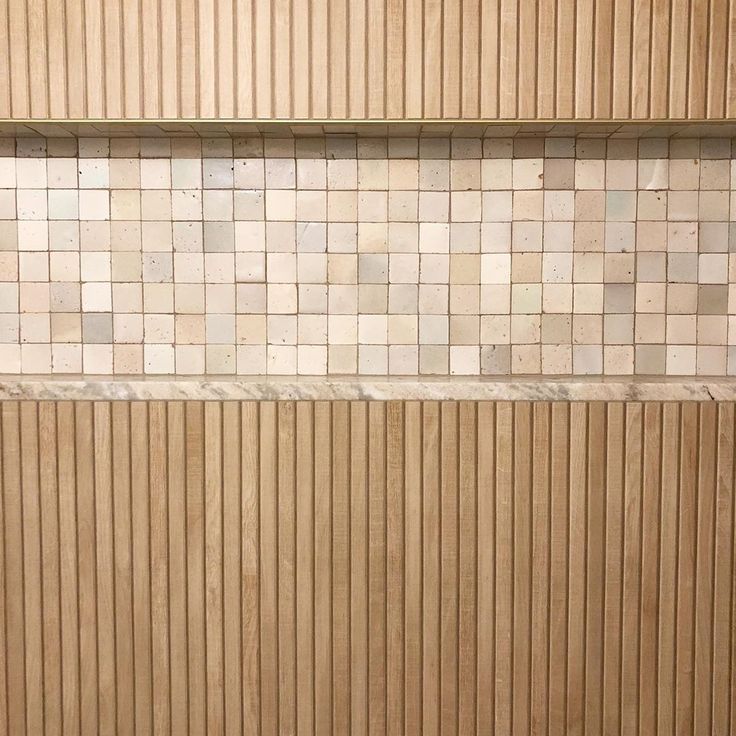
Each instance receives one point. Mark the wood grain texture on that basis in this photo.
(367, 567)
(367, 59)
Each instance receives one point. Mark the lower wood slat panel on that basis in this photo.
(367, 568)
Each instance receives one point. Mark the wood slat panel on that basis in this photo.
(367, 567)
(373, 59)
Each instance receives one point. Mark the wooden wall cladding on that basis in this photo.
(367, 568)
(368, 59)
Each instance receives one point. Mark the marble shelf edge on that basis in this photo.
(222, 388)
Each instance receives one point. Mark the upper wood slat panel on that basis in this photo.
(367, 59)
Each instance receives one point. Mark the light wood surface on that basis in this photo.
(367, 568)
(367, 59)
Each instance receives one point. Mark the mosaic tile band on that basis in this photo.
(336, 255)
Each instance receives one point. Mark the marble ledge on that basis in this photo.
(368, 388)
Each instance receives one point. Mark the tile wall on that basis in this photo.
(337, 255)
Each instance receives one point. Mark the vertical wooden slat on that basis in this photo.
(14, 579)
(244, 79)
(697, 91)
(508, 59)
(470, 100)
(323, 567)
(731, 61)
(641, 54)
(113, 67)
(395, 580)
(504, 563)
(57, 71)
(558, 559)
(717, 64)
(413, 568)
(603, 52)
(577, 568)
(432, 72)
(282, 67)
(660, 62)
(94, 58)
(195, 541)
(679, 34)
(70, 667)
(319, 60)
(123, 576)
(214, 613)
(723, 580)
(707, 447)
(486, 573)
(650, 524)
(140, 526)
(547, 41)
(151, 38)
(528, 50)
(250, 526)
(619, 544)
(338, 57)
(169, 56)
(359, 540)
(225, 53)
(268, 583)
(20, 104)
(595, 554)
(262, 49)
(341, 544)
(104, 554)
(449, 569)
(133, 74)
(187, 59)
(632, 570)
(622, 39)
(394, 61)
(565, 62)
(541, 465)
(467, 562)
(50, 568)
(376, 64)
(88, 654)
(286, 535)
(231, 551)
(668, 568)
(38, 58)
(6, 97)
(357, 60)
(206, 58)
(159, 512)
(522, 565)
(413, 59)
(299, 52)
(177, 556)
(431, 536)
(489, 48)
(584, 35)
(32, 594)
(685, 613)
(376, 567)
(305, 625)
(358, 569)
